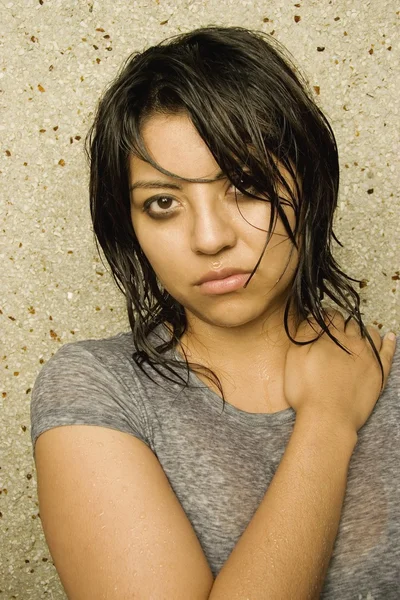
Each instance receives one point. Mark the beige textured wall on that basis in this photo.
(57, 56)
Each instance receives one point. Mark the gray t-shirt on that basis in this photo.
(220, 464)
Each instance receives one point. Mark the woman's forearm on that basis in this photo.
(285, 550)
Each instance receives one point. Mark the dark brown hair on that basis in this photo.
(250, 105)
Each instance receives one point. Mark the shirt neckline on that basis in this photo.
(216, 403)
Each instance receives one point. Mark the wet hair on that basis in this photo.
(252, 107)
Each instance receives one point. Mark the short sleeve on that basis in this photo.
(75, 387)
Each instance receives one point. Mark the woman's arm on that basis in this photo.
(285, 550)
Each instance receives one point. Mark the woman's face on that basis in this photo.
(188, 230)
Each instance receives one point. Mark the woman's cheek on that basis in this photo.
(164, 257)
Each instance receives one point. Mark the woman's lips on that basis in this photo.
(223, 286)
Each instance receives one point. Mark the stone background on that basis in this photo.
(57, 57)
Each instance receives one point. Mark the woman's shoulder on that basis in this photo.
(102, 348)
(93, 382)
(108, 348)
(109, 359)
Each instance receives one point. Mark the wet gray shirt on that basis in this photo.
(220, 464)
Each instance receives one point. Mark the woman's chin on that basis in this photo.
(230, 315)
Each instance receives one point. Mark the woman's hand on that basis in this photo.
(323, 380)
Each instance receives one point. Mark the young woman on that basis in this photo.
(231, 444)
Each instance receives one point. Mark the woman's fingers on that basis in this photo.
(350, 331)
(386, 353)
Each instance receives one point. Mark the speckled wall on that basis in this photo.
(57, 57)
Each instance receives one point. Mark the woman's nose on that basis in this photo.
(212, 230)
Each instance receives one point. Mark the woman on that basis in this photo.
(218, 436)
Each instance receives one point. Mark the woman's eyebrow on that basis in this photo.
(161, 183)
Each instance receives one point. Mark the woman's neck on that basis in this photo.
(235, 348)
(248, 361)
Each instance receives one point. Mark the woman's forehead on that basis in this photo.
(175, 145)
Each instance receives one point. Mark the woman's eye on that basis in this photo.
(237, 192)
(160, 206)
